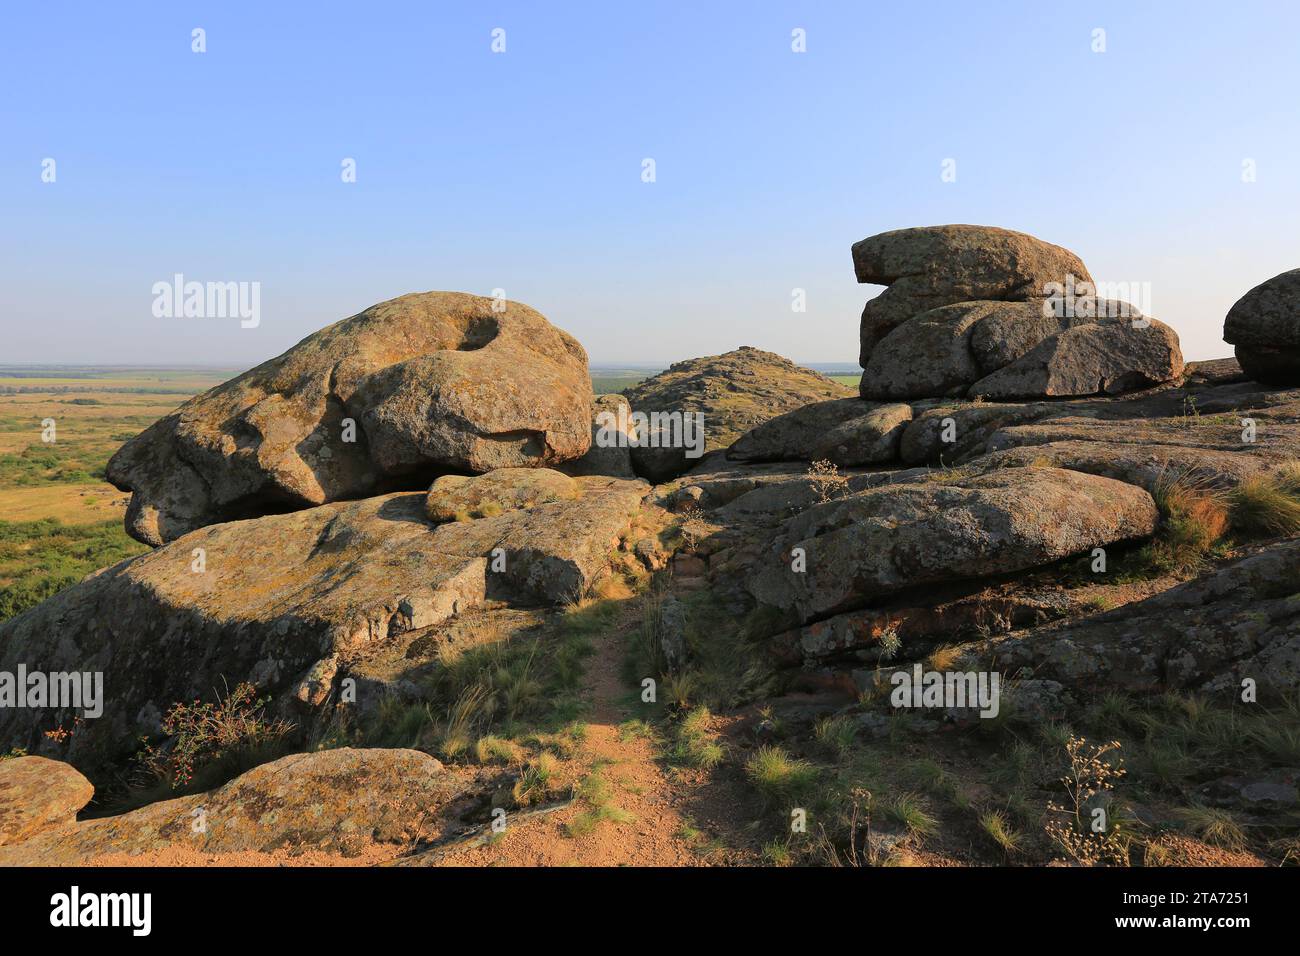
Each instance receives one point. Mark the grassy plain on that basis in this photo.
(59, 518)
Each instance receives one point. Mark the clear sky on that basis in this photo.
(522, 170)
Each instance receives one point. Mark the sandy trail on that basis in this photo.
(640, 785)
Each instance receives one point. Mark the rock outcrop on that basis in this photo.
(416, 386)
(932, 266)
(337, 801)
(458, 497)
(1209, 634)
(733, 392)
(280, 600)
(1264, 326)
(975, 311)
(1107, 357)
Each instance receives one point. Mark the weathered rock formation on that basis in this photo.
(1209, 634)
(734, 392)
(419, 385)
(933, 266)
(609, 454)
(288, 602)
(979, 311)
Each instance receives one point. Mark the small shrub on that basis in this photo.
(909, 811)
(995, 825)
(1268, 505)
(1088, 782)
(837, 734)
(535, 782)
(1216, 827)
(826, 480)
(778, 776)
(694, 744)
(203, 735)
(492, 749)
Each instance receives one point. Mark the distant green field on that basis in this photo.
(40, 558)
(608, 384)
(59, 519)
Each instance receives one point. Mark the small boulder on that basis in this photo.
(37, 794)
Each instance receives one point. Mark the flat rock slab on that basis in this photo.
(280, 599)
(429, 382)
(333, 800)
(885, 539)
(1208, 634)
(1199, 428)
(37, 794)
(847, 432)
(462, 497)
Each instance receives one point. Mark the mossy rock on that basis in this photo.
(462, 498)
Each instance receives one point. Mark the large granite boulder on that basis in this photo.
(1264, 325)
(416, 386)
(952, 350)
(733, 392)
(917, 531)
(288, 602)
(931, 266)
(334, 801)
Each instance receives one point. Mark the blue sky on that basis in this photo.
(522, 170)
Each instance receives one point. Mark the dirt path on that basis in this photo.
(652, 829)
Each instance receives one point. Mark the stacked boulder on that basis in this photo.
(1264, 327)
(985, 312)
